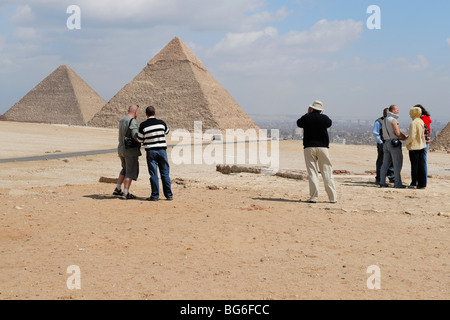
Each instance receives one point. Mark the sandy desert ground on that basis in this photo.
(240, 236)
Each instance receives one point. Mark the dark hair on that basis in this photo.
(424, 111)
(150, 111)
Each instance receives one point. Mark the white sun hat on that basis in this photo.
(317, 105)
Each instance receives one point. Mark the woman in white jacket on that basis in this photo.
(416, 145)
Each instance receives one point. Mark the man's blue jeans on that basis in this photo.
(394, 154)
(158, 159)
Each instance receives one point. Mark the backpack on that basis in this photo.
(380, 120)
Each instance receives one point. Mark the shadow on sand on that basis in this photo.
(366, 184)
(278, 200)
(110, 197)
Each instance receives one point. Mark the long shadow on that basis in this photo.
(366, 184)
(277, 200)
(110, 197)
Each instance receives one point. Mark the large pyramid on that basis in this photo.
(61, 98)
(177, 84)
(442, 141)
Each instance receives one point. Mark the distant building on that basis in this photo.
(340, 140)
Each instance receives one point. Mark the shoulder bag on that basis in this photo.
(129, 142)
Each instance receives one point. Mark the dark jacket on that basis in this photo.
(315, 133)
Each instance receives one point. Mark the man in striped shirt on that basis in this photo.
(152, 134)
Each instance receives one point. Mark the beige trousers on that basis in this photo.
(319, 159)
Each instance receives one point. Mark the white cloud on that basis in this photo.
(241, 40)
(266, 16)
(204, 15)
(418, 63)
(268, 52)
(325, 36)
(23, 15)
(25, 34)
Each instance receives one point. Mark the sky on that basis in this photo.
(274, 57)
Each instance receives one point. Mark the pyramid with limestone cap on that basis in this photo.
(177, 50)
(178, 85)
(61, 98)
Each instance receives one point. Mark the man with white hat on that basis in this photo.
(316, 143)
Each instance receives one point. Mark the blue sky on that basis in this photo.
(274, 57)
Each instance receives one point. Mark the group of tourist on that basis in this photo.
(390, 155)
(151, 134)
(389, 140)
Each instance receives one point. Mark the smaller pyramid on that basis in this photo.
(442, 141)
(61, 98)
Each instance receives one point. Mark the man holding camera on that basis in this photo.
(316, 143)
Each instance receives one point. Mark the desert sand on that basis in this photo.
(229, 237)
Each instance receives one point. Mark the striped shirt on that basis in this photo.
(152, 134)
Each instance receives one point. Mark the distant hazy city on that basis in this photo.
(352, 132)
